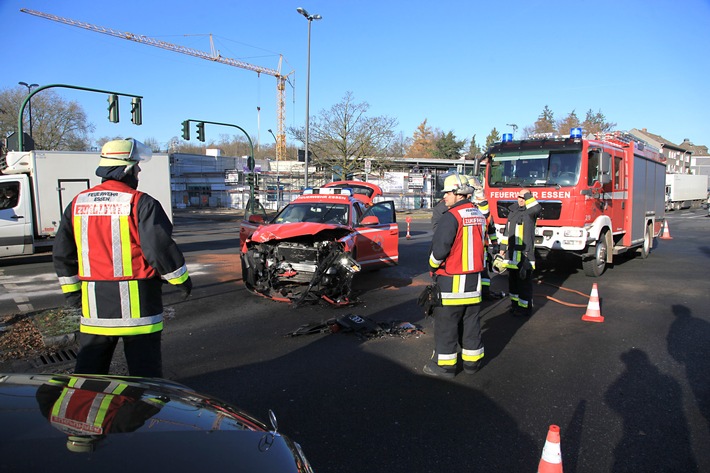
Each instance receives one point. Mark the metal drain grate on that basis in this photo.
(59, 357)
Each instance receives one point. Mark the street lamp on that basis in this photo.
(310, 19)
(29, 103)
(278, 184)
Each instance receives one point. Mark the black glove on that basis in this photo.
(527, 196)
(524, 269)
(73, 299)
(493, 249)
(185, 288)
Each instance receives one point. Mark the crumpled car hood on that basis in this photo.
(284, 231)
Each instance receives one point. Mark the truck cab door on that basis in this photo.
(15, 216)
(377, 239)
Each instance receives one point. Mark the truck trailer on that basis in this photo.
(684, 191)
(599, 197)
(45, 182)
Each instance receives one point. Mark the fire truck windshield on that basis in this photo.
(535, 168)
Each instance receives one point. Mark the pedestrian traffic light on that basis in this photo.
(186, 130)
(136, 111)
(201, 131)
(113, 108)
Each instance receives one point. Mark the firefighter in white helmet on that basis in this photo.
(456, 261)
(112, 252)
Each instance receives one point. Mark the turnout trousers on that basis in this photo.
(521, 291)
(143, 354)
(447, 320)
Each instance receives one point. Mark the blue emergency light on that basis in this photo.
(575, 132)
(507, 137)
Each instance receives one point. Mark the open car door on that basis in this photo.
(252, 220)
(377, 238)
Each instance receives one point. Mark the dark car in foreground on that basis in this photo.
(117, 424)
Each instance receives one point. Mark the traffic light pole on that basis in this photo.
(201, 124)
(20, 143)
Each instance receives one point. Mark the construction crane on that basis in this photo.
(212, 56)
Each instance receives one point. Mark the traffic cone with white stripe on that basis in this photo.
(551, 460)
(593, 313)
(666, 232)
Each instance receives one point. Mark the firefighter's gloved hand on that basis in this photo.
(185, 288)
(73, 299)
(525, 269)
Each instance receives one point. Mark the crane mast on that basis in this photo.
(213, 56)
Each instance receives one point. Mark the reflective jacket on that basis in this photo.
(113, 245)
(457, 255)
(518, 238)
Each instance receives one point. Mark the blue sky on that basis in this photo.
(465, 66)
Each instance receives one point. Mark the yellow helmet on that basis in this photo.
(124, 153)
(457, 184)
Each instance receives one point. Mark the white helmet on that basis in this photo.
(124, 153)
(457, 184)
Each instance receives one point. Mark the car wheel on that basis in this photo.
(647, 242)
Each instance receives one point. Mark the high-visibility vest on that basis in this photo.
(120, 290)
(86, 412)
(458, 276)
(467, 251)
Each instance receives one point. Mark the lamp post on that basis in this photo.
(310, 19)
(29, 104)
(278, 184)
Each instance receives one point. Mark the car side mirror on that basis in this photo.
(256, 218)
(370, 220)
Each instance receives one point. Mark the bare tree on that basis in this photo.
(344, 135)
(57, 124)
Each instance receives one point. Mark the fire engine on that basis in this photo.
(600, 195)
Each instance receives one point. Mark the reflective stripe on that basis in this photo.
(435, 263)
(120, 331)
(82, 244)
(68, 280)
(472, 355)
(135, 299)
(125, 242)
(178, 276)
(447, 360)
(523, 303)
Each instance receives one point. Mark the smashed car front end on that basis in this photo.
(304, 262)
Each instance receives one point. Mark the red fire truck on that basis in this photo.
(599, 197)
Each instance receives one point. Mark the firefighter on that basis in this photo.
(518, 247)
(456, 261)
(113, 250)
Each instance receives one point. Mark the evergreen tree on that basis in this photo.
(448, 147)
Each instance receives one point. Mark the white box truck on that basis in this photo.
(685, 191)
(45, 182)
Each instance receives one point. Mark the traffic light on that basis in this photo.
(186, 130)
(113, 108)
(136, 111)
(250, 179)
(256, 182)
(201, 131)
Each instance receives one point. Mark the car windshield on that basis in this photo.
(535, 169)
(319, 212)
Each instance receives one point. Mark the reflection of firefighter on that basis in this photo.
(456, 261)
(89, 409)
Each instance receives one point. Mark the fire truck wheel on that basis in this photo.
(647, 242)
(595, 265)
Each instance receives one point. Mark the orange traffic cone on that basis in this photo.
(594, 313)
(666, 232)
(551, 460)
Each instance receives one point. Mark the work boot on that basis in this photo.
(432, 369)
(492, 295)
(472, 367)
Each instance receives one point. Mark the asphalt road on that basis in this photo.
(629, 394)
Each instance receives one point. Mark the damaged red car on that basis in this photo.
(312, 249)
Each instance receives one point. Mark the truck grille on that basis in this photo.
(551, 210)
